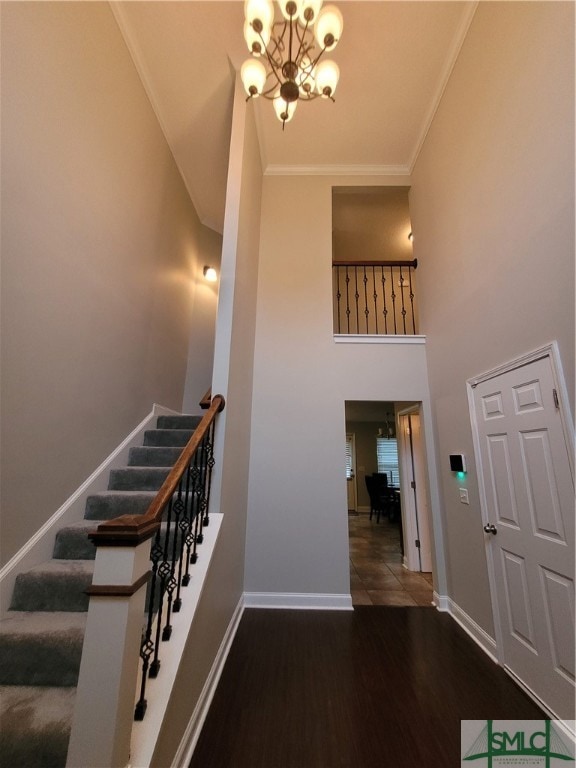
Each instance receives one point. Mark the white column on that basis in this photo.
(104, 709)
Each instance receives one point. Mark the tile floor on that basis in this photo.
(377, 576)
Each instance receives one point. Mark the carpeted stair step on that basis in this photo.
(167, 437)
(57, 585)
(35, 726)
(153, 456)
(72, 542)
(137, 478)
(110, 504)
(34, 651)
(178, 422)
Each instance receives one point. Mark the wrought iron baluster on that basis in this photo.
(347, 300)
(184, 525)
(375, 297)
(412, 300)
(164, 570)
(393, 296)
(356, 297)
(338, 296)
(385, 310)
(180, 528)
(195, 477)
(403, 312)
(366, 310)
(210, 462)
(147, 644)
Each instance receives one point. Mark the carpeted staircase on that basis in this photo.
(41, 635)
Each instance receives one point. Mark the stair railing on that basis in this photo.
(133, 551)
(374, 297)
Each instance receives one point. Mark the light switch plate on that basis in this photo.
(464, 496)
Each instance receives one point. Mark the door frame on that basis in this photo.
(412, 516)
(352, 437)
(552, 352)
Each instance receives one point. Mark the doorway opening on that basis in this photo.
(388, 517)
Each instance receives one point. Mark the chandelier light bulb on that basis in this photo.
(259, 13)
(256, 42)
(253, 75)
(309, 11)
(290, 8)
(284, 110)
(329, 27)
(327, 75)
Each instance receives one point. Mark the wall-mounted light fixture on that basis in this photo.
(210, 274)
(411, 237)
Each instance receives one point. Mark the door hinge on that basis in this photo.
(556, 401)
(417, 542)
(413, 484)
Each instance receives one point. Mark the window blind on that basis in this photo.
(387, 458)
(348, 457)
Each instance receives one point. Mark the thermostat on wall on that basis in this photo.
(457, 462)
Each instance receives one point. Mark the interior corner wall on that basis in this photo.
(101, 251)
(202, 323)
(492, 208)
(232, 377)
(297, 535)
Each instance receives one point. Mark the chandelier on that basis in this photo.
(292, 50)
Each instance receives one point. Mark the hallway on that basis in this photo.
(377, 576)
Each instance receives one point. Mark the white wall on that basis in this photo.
(297, 536)
(233, 356)
(492, 206)
(101, 251)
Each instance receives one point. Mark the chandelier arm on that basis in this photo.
(275, 65)
(302, 51)
(266, 94)
(317, 59)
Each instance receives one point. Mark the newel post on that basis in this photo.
(107, 682)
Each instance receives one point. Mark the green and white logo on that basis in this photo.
(517, 743)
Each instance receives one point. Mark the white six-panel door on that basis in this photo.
(528, 489)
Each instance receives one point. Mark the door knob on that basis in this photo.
(489, 528)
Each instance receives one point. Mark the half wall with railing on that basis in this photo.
(143, 566)
(374, 297)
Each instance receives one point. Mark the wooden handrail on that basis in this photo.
(130, 530)
(206, 400)
(413, 263)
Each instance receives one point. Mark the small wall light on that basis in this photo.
(411, 237)
(210, 274)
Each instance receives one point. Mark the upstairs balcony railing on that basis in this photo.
(374, 297)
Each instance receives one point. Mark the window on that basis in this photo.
(387, 456)
(349, 467)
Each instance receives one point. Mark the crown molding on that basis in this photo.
(336, 170)
(451, 58)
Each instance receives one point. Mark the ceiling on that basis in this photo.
(394, 58)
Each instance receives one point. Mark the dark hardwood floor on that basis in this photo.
(377, 687)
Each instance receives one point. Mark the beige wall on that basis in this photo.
(101, 253)
(297, 537)
(233, 356)
(371, 223)
(492, 205)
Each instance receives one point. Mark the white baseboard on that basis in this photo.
(39, 547)
(189, 740)
(474, 630)
(298, 601)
